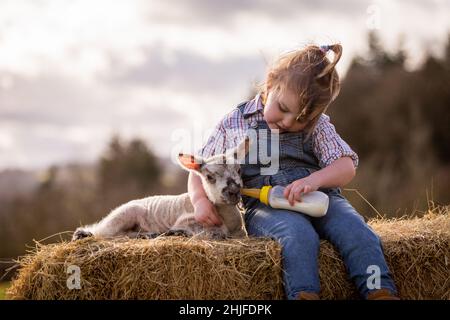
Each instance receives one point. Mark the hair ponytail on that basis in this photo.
(329, 68)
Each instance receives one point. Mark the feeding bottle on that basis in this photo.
(314, 203)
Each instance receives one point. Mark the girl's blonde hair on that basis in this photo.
(309, 73)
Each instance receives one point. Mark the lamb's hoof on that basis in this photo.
(218, 236)
(81, 234)
(148, 235)
(177, 233)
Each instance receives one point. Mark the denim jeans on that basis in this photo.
(299, 236)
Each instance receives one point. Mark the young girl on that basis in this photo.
(297, 91)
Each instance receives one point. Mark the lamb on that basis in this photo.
(174, 214)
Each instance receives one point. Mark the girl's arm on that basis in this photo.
(204, 210)
(195, 188)
(337, 174)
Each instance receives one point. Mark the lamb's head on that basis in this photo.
(220, 174)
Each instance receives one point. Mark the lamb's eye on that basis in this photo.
(211, 178)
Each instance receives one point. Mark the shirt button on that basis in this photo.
(253, 124)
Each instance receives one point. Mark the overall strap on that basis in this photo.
(241, 108)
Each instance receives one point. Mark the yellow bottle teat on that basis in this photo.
(261, 194)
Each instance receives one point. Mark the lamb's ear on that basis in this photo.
(241, 150)
(189, 162)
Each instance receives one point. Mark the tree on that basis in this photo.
(128, 168)
(397, 122)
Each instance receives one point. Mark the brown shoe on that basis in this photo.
(381, 294)
(304, 295)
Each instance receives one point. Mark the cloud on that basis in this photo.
(223, 13)
(184, 71)
(55, 99)
(70, 76)
(52, 118)
(49, 98)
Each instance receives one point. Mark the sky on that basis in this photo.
(73, 73)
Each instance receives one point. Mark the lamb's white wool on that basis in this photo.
(222, 182)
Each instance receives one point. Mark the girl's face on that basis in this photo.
(281, 111)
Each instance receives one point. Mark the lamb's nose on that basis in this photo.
(233, 187)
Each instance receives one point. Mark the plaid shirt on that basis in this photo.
(328, 146)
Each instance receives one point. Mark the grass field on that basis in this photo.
(3, 287)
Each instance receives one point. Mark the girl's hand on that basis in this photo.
(294, 190)
(206, 213)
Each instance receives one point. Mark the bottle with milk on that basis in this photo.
(314, 203)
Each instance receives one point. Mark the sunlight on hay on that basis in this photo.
(417, 251)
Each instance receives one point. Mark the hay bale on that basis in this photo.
(162, 268)
(417, 251)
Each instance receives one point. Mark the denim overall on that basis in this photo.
(299, 234)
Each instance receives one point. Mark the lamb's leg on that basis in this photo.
(186, 225)
(80, 233)
(143, 235)
(178, 232)
(216, 233)
(120, 221)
